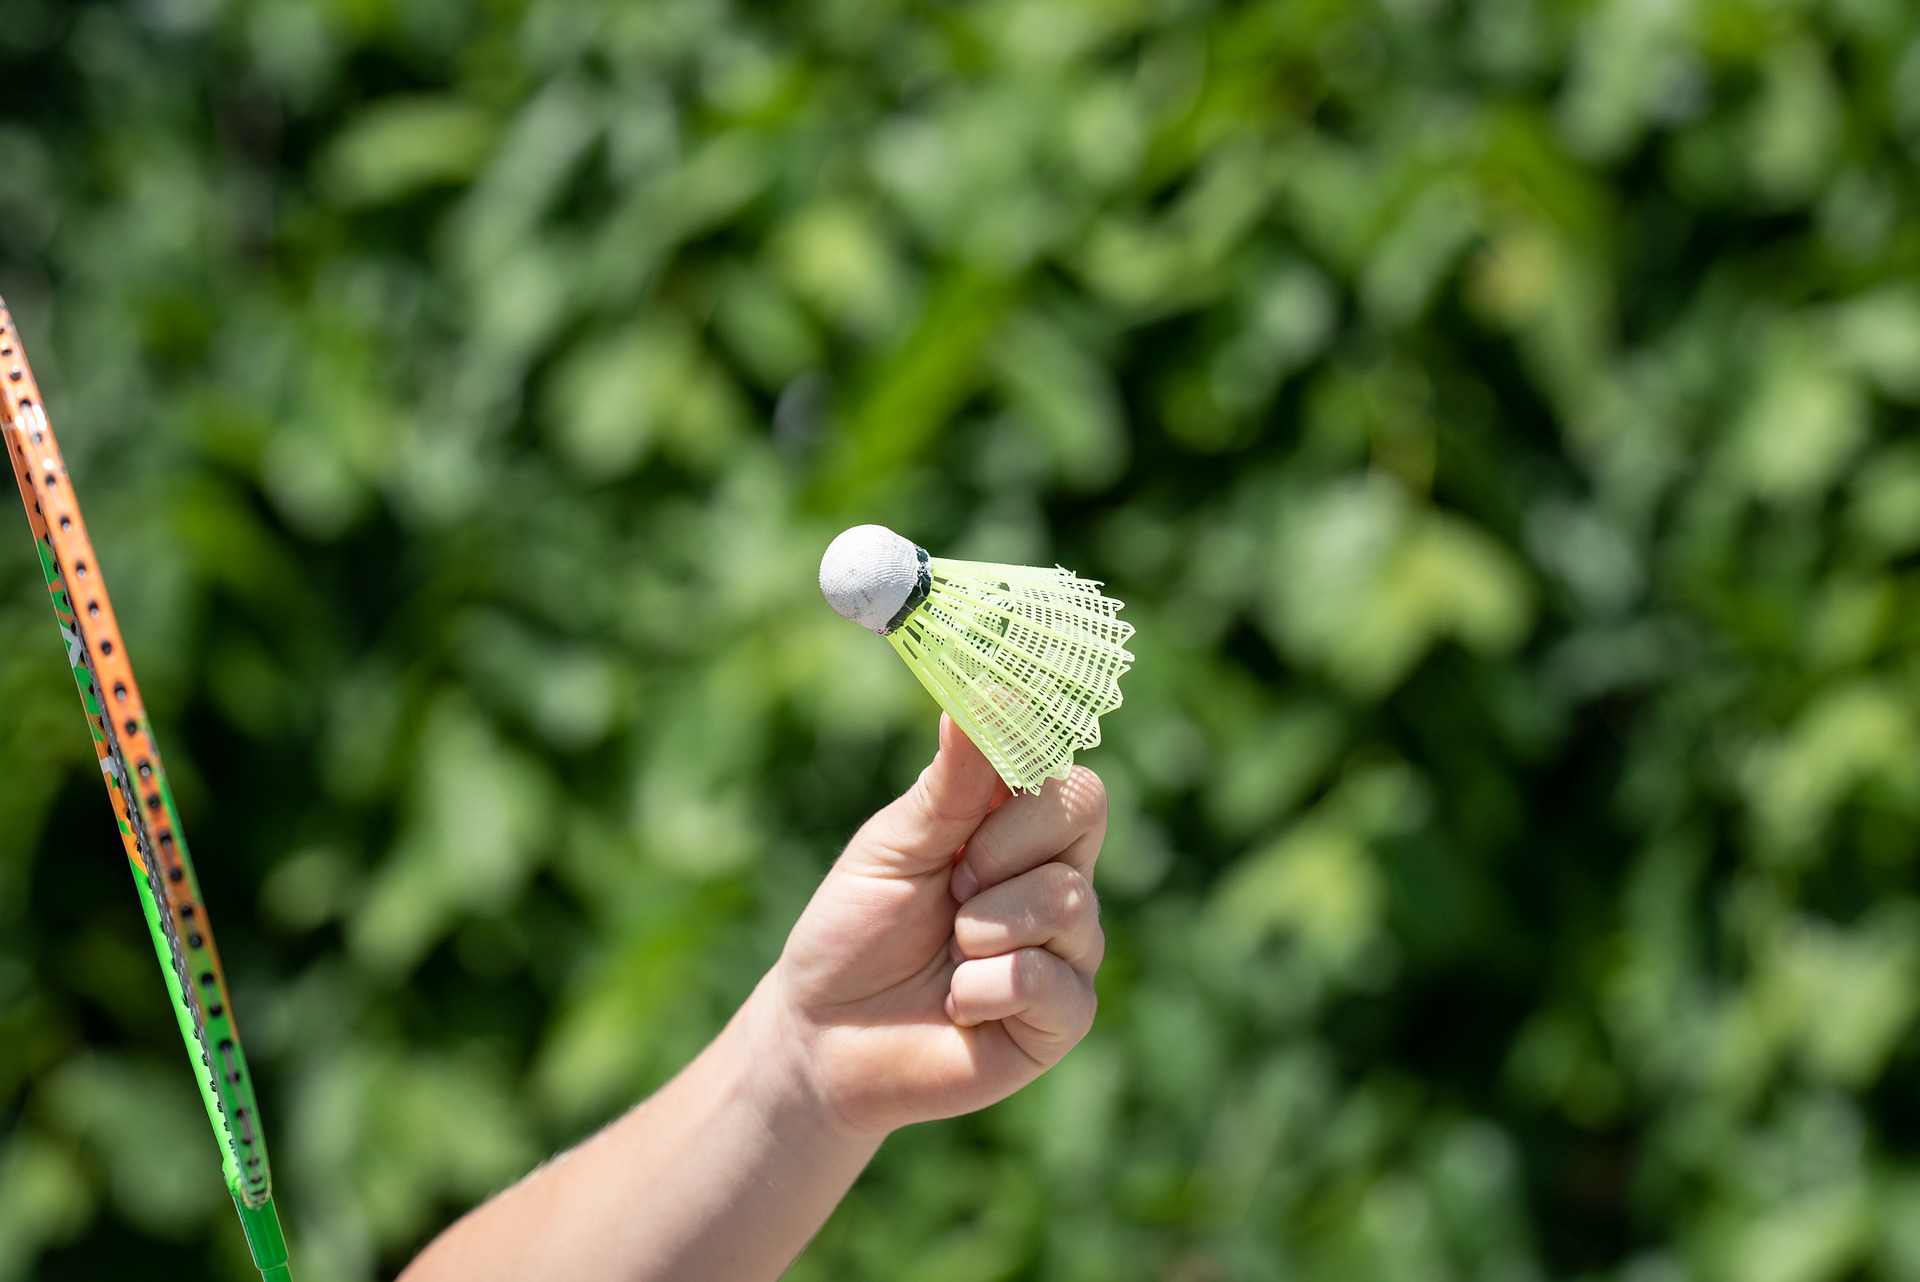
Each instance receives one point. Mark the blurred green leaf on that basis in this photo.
(1364, 582)
(398, 146)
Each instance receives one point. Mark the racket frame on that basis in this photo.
(142, 800)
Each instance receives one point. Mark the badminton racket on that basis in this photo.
(142, 802)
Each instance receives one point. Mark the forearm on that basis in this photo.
(724, 1174)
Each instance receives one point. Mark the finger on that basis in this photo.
(1051, 907)
(1065, 820)
(920, 831)
(1030, 985)
(1001, 796)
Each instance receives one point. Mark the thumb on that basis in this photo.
(919, 832)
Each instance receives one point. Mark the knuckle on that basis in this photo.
(1029, 974)
(985, 851)
(1087, 795)
(919, 801)
(1066, 890)
(1090, 1010)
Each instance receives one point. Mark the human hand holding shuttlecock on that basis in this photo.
(1026, 660)
(949, 957)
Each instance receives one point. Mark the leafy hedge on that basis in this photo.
(1498, 415)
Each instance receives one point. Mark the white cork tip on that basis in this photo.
(868, 573)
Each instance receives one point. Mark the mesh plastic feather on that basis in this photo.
(1027, 660)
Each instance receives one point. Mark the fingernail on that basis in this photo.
(964, 884)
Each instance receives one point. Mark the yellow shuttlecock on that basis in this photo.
(1026, 660)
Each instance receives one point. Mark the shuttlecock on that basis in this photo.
(1026, 660)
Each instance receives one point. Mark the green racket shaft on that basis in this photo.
(142, 803)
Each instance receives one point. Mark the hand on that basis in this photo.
(894, 1002)
(948, 958)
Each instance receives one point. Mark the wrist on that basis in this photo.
(779, 1049)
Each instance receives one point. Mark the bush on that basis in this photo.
(1498, 415)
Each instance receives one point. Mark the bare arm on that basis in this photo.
(913, 987)
(725, 1173)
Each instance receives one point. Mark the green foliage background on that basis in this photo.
(1498, 415)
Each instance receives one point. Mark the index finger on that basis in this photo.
(1066, 820)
